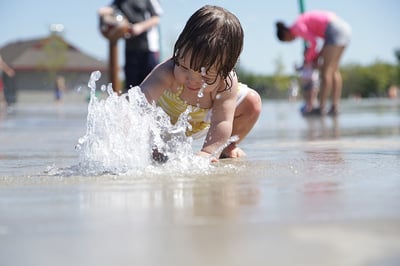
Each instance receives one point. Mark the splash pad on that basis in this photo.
(318, 189)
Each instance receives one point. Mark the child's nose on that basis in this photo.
(194, 77)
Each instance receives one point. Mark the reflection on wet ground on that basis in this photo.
(311, 192)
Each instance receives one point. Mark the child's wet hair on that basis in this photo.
(214, 37)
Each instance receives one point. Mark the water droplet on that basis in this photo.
(95, 76)
(200, 94)
(110, 89)
(203, 71)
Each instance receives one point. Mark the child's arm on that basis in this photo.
(223, 112)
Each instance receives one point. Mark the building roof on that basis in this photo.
(49, 53)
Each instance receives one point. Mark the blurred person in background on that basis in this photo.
(140, 31)
(335, 33)
(59, 88)
(10, 72)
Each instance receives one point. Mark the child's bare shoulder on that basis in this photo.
(164, 72)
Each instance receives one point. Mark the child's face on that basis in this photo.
(194, 80)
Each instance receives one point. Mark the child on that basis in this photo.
(201, 74)
(335, 33)
(309, 83)
(59, 88)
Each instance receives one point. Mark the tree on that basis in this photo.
(368, 81)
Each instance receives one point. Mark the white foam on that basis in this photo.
(121, 135)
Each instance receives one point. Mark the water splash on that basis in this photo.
(95, 76)
(125, 134)
(124, 131)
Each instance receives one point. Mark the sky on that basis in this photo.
(375, 27)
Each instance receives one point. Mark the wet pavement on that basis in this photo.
(310, 192)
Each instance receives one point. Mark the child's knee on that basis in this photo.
(252, 105)
(254, 102)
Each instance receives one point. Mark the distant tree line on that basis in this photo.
(360, 81)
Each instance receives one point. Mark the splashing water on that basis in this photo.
(122, 135)
(125, 132)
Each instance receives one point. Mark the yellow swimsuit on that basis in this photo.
(173, 105)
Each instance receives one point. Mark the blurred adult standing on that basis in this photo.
(4, 67)
(140, 31)
(335, 33)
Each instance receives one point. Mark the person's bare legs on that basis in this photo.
(246, 115)
(330, 75)
(337, 90)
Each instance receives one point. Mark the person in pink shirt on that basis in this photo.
(335, 33)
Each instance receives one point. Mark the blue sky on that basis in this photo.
(375, 25)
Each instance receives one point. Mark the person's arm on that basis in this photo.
(155, 11)
(301, 30)
(140, 27)
(220, 130)
(125, 29)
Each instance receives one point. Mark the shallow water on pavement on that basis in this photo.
(310, 192)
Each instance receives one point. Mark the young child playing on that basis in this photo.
(309, 83)
(201, 74)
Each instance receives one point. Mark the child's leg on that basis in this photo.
(246, 115)
(308, 95)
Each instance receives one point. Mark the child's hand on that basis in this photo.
(213, 159)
